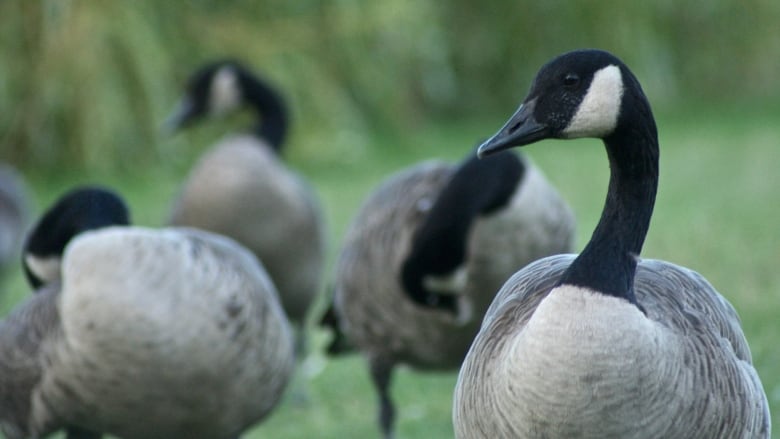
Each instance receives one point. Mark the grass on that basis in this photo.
(716, 213)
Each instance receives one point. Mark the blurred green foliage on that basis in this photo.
(86, 84)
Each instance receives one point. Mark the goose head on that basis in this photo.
(221, 87)
(584, 93)
(80, 210)
(213, 90)
(591, 93)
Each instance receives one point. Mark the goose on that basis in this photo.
(603, 344)
(14, 211)
(242, 189)
(423, 250)
(169, 333)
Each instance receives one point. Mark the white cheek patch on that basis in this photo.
(46, 269)
(598, 112)
(224, 94)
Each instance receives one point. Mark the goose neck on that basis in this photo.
(269, 106)
(608, 262)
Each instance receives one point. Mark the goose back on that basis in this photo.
(149, 335)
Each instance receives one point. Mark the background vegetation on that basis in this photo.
(86, 83)
(376, 86)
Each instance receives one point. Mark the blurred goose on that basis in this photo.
(242, 189)
(425, 254)
(173, 333)
(605, 345)
(13, 214)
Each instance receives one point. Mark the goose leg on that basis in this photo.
(300, 341)
(80, 433)
(381, 374)
(300, 391)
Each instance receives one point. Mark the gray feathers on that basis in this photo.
(378, 316)
(242, 189)
(14, 211)
(704, 353)
(150, 333)
(368, 294)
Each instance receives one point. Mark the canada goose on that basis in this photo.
(172, 333)
(425, 236)
(242, 189)
(14, 207)
(605, 345)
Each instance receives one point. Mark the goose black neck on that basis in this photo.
(478, 187)
(608, 262)
(270, 107)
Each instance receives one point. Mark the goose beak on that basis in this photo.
(521, 129)
(185, 111)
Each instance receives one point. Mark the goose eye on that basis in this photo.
(571, 80)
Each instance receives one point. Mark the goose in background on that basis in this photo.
(14, 213)
(242, 189)
(79, 210)
(425, 254)
(171, 333)
(605, 345)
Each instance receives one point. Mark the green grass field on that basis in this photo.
(717, 212)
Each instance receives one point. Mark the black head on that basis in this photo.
(82, 209)
(578, 94)
(215, 88)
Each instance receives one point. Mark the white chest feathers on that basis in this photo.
(585, 365)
